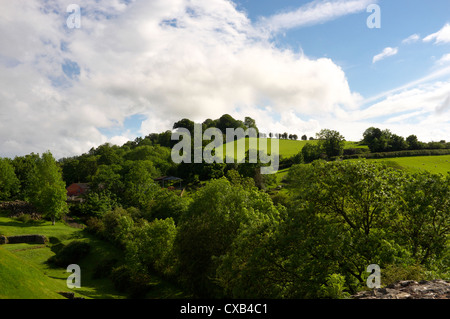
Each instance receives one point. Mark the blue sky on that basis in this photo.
(294, 66)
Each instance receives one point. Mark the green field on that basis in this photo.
(287, 148)
(433, 164)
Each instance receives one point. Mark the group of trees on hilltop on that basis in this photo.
(222, 123)
(385, 141)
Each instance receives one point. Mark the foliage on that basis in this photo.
(331, 142)
(9, 183)
(207, 230)
(72, 253)
(334, 287)
(47, 191)
(397, 272)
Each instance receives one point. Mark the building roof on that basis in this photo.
(168, 178)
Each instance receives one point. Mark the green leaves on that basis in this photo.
(9, 183)
(46, 188)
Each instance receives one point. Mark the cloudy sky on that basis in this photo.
(135, 67)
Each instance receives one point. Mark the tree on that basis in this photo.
(47, 190)
(413, 142)
(331, 142)
(140, 188)
(351, 205)
(9, 183)
(397, 143)
(304, 137)
(425, 218)
(218, 212)
(185, 123)
(311, 152)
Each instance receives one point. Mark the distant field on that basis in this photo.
(434, 164)
(287, 148)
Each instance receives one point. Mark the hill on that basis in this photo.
(287, 148)
(20, 279)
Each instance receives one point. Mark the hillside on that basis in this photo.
(287, 148)
(20, 279)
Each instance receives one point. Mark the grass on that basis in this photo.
(25, 273)
(433, 164)
(287, 148)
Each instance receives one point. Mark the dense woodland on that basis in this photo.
(227, 236)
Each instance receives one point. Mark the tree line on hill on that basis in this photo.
(385, 141)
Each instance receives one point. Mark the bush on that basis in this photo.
(72, 253)
(95, 225)
(104, 268)
(395, 273)
(334, 287)
(127, 281)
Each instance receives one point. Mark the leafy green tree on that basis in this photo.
(9, 183)
(150, 247)
(331, 142)
(413, 143)
(47, 190)
(185, 123)
(424, 215)
(311, 152)
(118, 224)
(140, 187)
(97, 203)
(24, 166)
(167, 204)
(354, 202)
(215, 217)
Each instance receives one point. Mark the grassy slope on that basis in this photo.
(434, 164)
(287, 148)
(25, 274)
(20, 279)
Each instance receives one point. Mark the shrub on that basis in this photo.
(72, 253)
(395, 273)
(125, 280)
(95, 225)
(334, 287)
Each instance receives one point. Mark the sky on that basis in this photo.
(116, 70)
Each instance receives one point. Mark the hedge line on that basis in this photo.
(398, 154)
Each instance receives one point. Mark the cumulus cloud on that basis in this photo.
(62, 89)
(442, 36)
(387, 52)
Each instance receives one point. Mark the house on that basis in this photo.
(77, 189)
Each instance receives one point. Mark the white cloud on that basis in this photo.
(386, 53)
(411, 39)
(166, 59)
(318, 11)
(442, 36)
(444, 59)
